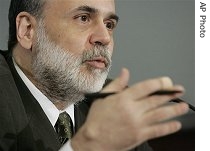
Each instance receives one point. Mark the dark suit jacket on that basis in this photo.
(23, 124)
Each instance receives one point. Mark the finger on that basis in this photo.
(165, 113)
(119, 83)
(155, 101)
(161, 129)
(147, 87)
(173, 91)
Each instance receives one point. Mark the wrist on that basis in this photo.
(87, 140)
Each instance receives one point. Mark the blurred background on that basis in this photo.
(154, 38)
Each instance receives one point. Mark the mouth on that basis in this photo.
(97, 62)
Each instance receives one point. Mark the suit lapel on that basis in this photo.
(80, 113)
(43, 132)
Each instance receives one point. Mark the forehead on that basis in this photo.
(103, 6)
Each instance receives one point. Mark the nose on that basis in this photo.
(100, 35)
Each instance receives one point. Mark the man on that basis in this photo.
(58, 51)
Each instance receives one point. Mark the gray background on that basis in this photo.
(154, 38)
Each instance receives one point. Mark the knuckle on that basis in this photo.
(159, 115)
(158, 132)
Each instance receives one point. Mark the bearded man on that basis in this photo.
(59, 50)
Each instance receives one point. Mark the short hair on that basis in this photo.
(34, 7)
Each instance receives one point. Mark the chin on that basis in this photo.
(94, 83)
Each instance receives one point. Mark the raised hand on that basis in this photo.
(130, 117)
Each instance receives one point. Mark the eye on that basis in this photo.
(110, 25)
(83, 18)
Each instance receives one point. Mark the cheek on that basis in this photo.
(72, 42)
(111, 47)
(68, 38)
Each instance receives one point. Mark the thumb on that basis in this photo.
(119, 83)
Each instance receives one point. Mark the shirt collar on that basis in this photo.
(48, 107)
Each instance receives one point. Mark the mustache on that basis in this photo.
(97, 51)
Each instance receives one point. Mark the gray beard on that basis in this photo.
(59, 73)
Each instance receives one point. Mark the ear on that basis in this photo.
(25, 24)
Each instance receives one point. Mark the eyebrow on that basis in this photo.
(95, 11)
(113, 16)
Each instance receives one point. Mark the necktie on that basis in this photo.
(64, 127)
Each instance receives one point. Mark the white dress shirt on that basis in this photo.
(48, 107)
